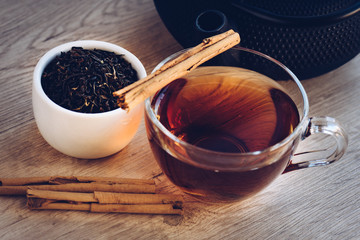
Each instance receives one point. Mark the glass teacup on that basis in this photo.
(216, 159)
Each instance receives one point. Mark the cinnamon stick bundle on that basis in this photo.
(137, 92)
(94, 194)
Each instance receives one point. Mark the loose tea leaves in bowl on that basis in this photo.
(84, 80)
(89, 77)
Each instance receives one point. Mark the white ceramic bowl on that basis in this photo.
(84, 135)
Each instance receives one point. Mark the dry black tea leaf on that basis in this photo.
(83, 80)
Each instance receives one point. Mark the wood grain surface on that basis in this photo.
(316, 203)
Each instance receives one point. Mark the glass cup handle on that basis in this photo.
(329, 126)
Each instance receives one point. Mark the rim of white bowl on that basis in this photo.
(86, 44)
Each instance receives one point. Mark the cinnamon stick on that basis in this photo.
(13, 190)
(81, 187)
(105, 197)
(137, 92)
(130, 198)
(61, 196)
(22, 181)
(106, 208)
(144, 209)
(34, 203)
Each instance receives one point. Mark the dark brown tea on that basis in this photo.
(223, 109)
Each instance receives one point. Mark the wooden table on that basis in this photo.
(317, 203)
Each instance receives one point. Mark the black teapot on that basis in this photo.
(310, 37)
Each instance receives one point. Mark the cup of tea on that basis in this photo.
(226, 130)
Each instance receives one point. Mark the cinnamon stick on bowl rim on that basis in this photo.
(137, 92)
